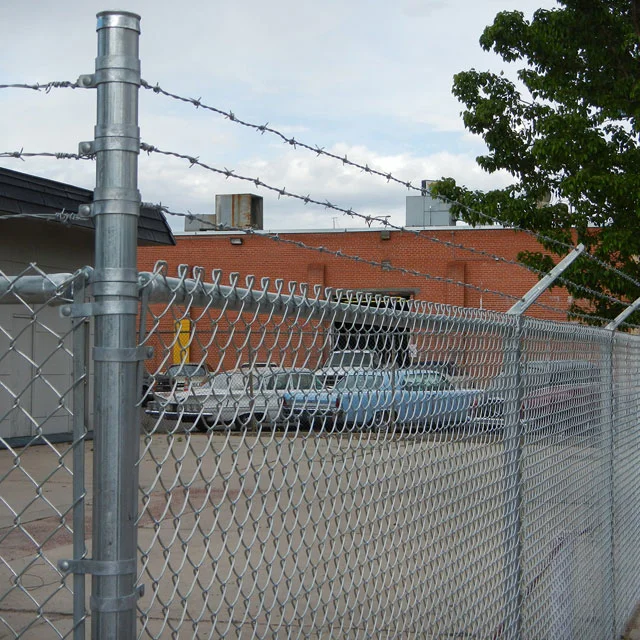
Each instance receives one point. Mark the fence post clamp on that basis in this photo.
(99, 567)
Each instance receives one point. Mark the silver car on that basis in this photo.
(239, 398)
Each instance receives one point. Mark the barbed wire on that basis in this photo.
(65, 217)
(21, 155)
(228, 173)
(46, 87)
(373, 263)
(321, 151)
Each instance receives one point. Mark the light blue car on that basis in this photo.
(417, 398)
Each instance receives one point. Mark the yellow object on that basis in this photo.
(182, 345)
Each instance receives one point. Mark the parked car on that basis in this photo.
(233, 398)
(148, 387)
(420, 398)
(558, 397)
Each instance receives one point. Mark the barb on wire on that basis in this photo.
(228, 173)
(344, 160)
(46, 87)
(373, 263)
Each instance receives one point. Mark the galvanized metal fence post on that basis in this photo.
(610, 417)
(513, 482)
(115, 209)
(513, 450)
(81, 335)
(610, 409)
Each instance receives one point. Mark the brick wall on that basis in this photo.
(225, 341)
(262, 257)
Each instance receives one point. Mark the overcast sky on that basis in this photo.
(370, 79)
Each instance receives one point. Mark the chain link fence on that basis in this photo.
(458, 484)
(326, 464)
(44, 407)
(277, 460)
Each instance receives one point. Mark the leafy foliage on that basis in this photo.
(568, 128)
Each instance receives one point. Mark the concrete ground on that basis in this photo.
(326, 498)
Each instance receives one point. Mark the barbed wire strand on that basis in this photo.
(46, 87)
(21, 155)
(228, 173)
(65, 217)
(320, 151)
(373, 263)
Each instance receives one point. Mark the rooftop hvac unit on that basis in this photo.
(201, 223)
(239, 210)
(425, 211)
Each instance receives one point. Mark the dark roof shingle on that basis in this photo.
(22, 193)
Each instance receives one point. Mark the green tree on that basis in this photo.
(568, 128)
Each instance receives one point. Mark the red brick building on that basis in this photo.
(448, 259)
(436, 252)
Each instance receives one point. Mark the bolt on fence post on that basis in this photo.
(115, 208)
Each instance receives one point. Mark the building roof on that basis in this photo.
(22, 193)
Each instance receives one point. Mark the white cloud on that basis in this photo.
(368, 78)
(304, 174)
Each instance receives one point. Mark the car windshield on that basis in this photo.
(189, 370)
(350, 359)
(292, 380)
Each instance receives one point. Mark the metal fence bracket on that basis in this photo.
(99, 567)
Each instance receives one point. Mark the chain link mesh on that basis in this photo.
(39, 389)
(320, 463)
(336, 464)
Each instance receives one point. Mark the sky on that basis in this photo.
(367, 78)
